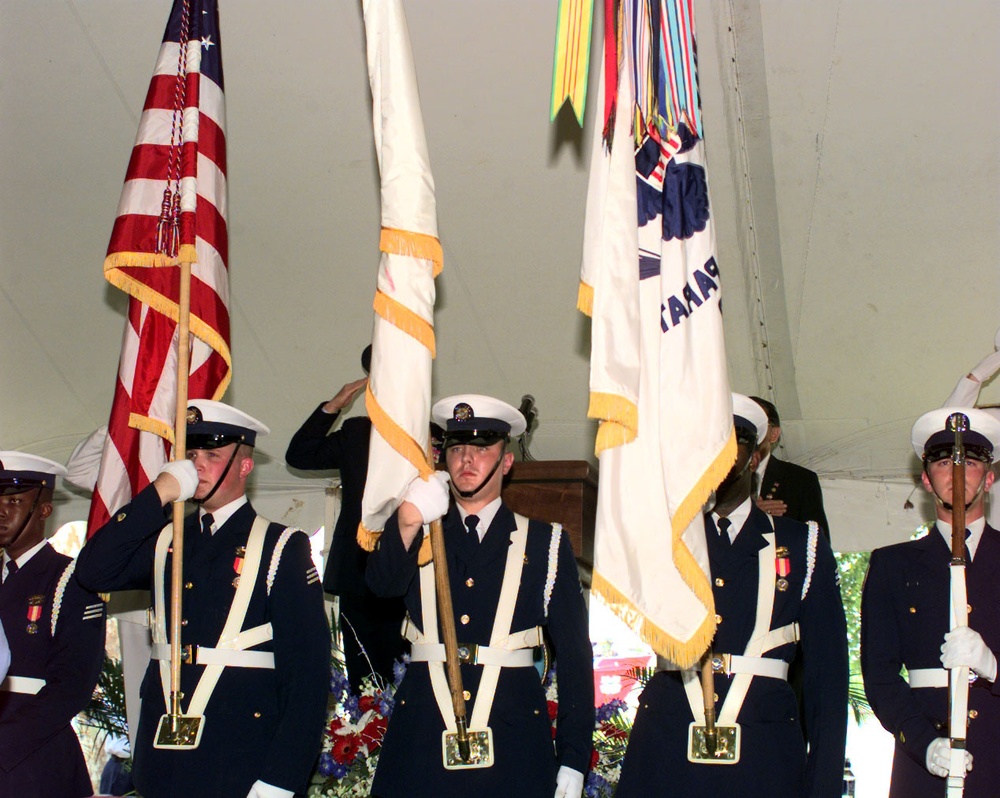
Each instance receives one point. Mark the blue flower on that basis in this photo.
(385, 704)
(351, 707)
(596, 785)
(339, 683)
(326, 764)
(398, 669)
(607, 711)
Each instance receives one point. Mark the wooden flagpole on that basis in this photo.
(180, 452)
(958, 688)
(446, 614)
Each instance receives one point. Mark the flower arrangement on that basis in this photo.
(353, 737)
(357, 724)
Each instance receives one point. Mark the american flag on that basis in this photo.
(172, 210)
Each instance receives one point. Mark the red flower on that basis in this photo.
(553, 709)
(594, 759)
(612, 732)
(345, 748)
(367, 702)
(373, 733)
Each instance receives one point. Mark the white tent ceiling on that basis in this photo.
(854, 177)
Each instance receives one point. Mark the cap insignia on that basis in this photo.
(463, 412)
(193, 415)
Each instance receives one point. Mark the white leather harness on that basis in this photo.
(230, 651)
(506, 649)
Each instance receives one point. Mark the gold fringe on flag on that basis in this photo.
(396, 436)
(684, 653)
(413, 245)
(713, 476)
(114, 263)
(619, 420)
(400, 316)
(585, 299)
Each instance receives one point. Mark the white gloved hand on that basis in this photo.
(964, 646)
(569, 783)
(986, 367)
(938, 757)
(185, 475)
(429, 496)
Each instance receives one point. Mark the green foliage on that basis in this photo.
(852, 567)
(106, 710)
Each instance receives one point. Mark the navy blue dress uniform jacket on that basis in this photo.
(798, 488)
(371, 636)
(259, 723)
(40, 755)
(904, 617)
(774, 762)
(313, 449)
(525, 762)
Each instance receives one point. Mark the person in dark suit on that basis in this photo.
(784, 488)
(369, 624)
(253, 619)
(488, 547)
(775, 589)
(55, 630)
(905, 622)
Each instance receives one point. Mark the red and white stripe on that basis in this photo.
(142, 414)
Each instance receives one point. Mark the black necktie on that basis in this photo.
(724, 524)
(11, 568)
(968, 553)
(206, 524)
(471, 524)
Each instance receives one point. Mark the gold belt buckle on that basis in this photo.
(480, 750)
(179, 731)
(727, 745)
(468, 653)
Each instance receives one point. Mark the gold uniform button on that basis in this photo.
(464, 619)
(968, 608)
(120, 517)
(913, 610)
(470, 582)
(718, 619)
(188, 585)
(466, 695)
(256, 714)
(184, 621)
(973, 714)
(719, 581)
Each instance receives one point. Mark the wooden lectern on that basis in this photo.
(558, 490)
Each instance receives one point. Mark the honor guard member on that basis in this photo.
(512, 581)
(905, 622)
(55, 630)
(369, 624)
(254, 633)
(774, 581)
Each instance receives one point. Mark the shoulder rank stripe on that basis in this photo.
(312, 575)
